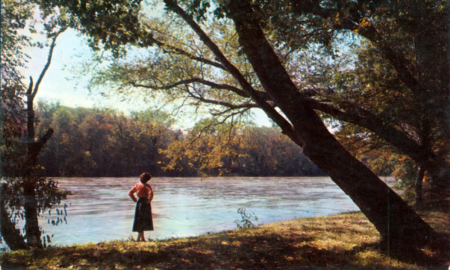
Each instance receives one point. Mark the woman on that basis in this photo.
(143, 215)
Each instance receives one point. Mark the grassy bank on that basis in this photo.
(345, 241)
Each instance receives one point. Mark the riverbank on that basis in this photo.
(338, 241)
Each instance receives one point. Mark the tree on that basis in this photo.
(23, 187)
(102, 142)
(12, 118)
(190, 62)
(30, 179)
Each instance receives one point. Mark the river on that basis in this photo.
(100, 209)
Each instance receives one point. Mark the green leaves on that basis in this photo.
(246, 219)
(109, 24)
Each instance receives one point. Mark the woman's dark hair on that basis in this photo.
(145, 177)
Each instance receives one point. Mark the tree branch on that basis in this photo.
(270, 111)
(47, 65)
(30, 87)
(182, 52)
(366, 119)
(225, 104)
(400, 63)
(231, 88)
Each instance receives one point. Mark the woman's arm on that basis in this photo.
(131, 194)
(132, 197)
(150, 196)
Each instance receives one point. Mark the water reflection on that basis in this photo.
(101, 209)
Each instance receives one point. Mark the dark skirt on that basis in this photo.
(143, 216)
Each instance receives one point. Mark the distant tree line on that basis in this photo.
(102, 142)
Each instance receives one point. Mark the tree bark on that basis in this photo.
(393, 218)
(33, 233)
(10, 234)
(418, 187)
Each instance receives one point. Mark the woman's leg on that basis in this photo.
(140, 236)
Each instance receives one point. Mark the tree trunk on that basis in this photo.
(419, 180)
(10, 234)
(439, 171)
(393, 218)
(33, 232)
(434, 81)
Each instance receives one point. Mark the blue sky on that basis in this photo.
(60, 83)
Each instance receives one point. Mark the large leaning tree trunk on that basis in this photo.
(392, 217)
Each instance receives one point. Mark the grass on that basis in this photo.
(344, 241)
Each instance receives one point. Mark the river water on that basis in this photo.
(100, 209)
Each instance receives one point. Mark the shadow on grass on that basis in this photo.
(222, 251)
(437, 252)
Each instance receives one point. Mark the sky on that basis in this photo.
(61, 84)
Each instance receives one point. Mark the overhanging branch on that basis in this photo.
(264, 105)
(400, 63)
(211, 84)
(179, 51)
(201, 99)
(361, 117)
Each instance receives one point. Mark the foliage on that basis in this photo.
(13, 19)
(246, 218)
(239, 150)
(98, 142)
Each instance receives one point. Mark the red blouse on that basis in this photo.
(142, 190)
